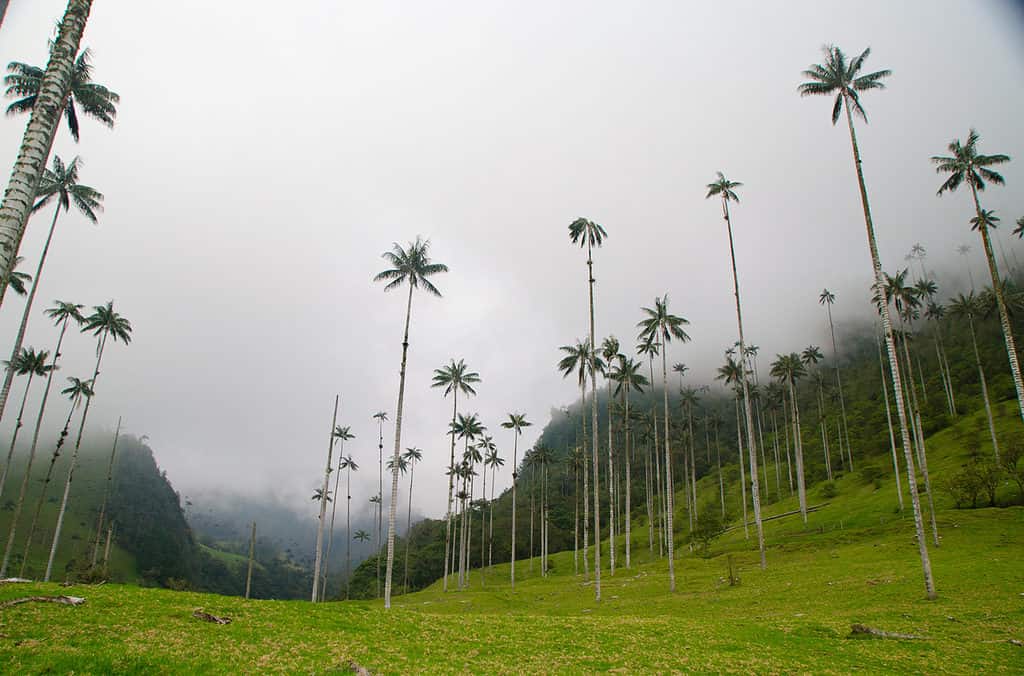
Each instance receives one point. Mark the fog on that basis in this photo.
(266, 155)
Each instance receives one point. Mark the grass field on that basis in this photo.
(855, 562)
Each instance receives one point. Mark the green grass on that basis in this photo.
(855, 562)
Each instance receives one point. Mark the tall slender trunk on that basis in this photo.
(348, 533)
(533, 486)
(408, 526)
(611, 486)
(751, 440)
(483, 530)
(515, 477)
(888, 420)
(46, 484)
(448, 558)
(323, 506)
(890, 346)
(586, 490)
(823, 431)
(74, 461)
(629, 477)
(922, 451)
(596, 435)
(380, 500)
(24, 484)
(693, 459)
(39, 134)
(20, 337)
(839, 386)
(252, 555)
(106, 494)
(984, 390)
(490, 527)
(576, 522)
(669, 530)
(1004, 317)
(647, 495)
(778, 461)
(330, 530)
(743, 476)
(787, 419)
(798, 451)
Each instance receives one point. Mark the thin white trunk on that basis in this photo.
(106, 494)
(24, 486)
(315, 596)
(888, 420)
(596, 434)
(252, 556)
(448, 558)
(515, 476)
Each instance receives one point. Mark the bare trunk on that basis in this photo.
(888, 420)
(839, 386)
(611, 486)
(743, 475)
(315, 596)
(596, 435)
(515, 477)
(448, 558)
(252, 556)
(629, 477)
(330, 530)
(24, 486)
(106, 494)
(984, 391)
(408, 526)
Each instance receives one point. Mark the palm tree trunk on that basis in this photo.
(596, 435)
(824, 433)
(839, 386)
(408, 526)
(984, 391)
(533, 485)
(693, 460)
(1004, 317)
(106, 494)
(39, 134)
(20, 337)
(24, 486)
(647, 495)
(890, 346)
(252, 555)
(888, 420)
(490, 527)
(778, 460)
(515, 477)
(798, 451)
(922, 451)
(483, 530)
(448, 558)
(334, 511)
(46, 484)
(611, 486)
(586, 491)
(669, 530)
(629, 478)
(743, 476)
(788, 420)
(323, 507)
(576, 521)
(348, 534)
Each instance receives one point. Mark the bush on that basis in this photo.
(871, 474)
(829, 490)
(707, 529)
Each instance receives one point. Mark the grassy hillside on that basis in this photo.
(855, 562)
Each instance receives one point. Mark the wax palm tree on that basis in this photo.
(468, 428)
(726, 189)
(485, 447)
(609, 353)
(810, 357)
(381, 417)
(350, 465)
(589, 234)
(413, 267)
(15, 281)
(361, 535)
(323, 497)
(966, 165)
(76, 391)
(661, 325)
(968, 307)
(341, 434)
(935, 313)
(104, 323)
(60, 182)
(454, 378)
(494, 461)
(787, 369)
(842, 77)
(62, 313)
(628, 378)
(827, 298)
(542, 459)
(516, 422)
(29, 363)
(574, 463)
(649, 347)
(688, 398)
(732, 373)
(93, 99)
(411, 456)
(52, 91)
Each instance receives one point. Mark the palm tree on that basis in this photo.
(323, 497)
(810, 357)
(967, 307)
(688, 399)
(106, 495)
(454, 378)
(468, 428)
(78, 390)
(842, 78)
(15, 281)
(494, 461)
(31, 363)
(827, 298)
(936, 313)
(726, 189)
(104, 323)
(94, 100)
(342, 434)
(610, 352)
(61, 313)
(381, 417)
(574, 462)
(732, 373)
(967, 165)
(590, 234)
(516, 422)
(628, 378)
(411, 456)
(52, 92)
(542, 459)
(788, 369)
(649, 347)
(485, 447)
(361, 535)
(350, 465)
(411, 266)
(659, 323)
(62, 183)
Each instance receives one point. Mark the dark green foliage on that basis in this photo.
(709, 527)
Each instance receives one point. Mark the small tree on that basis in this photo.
(706, 530)
(1012, 466)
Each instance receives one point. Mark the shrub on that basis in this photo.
(829, 490)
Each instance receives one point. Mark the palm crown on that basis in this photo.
(841, 76)
(28, 361)
(986, 218)
(104, 320)
(411, 266)
(95, 100)
(660, 322)
(516, 421)
(62, 182)
(577, 358)
(16, 281)
(63, 311)
(627, 376)
(456, 376)
(78, 388)
(723, 187)
(788, 367)
(965, 164)
(343, 433)
(586, 233)
(826, 297)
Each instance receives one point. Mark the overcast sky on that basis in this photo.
(266, 154)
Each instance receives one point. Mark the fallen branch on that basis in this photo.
(63, 600)
(199, 614)
(858, 630)
(813, 508)
(9, 580)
